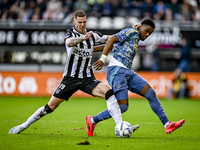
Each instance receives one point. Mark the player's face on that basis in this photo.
(145, 31)
(80, 24)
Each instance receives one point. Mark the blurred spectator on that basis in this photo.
(156, 55)
(4, 6)
(4, 15)
(160, 9)
(37, 14)
(179, 87)
(136, 3)
(197, 13)
(126, 7)
(156, 17)
(108, 9)
(81, 4)
(151, 60)
(184, 64)
(66, 11)
(95, 9)
(41, 4)
(53, 11)
(168, 17)
(147, 9)
(187, 11)
(12, 13)
(30, 5)
(116, 6)
(148, 61)
(22, 13)
(174, 7)
(69, 4)
(136, 8)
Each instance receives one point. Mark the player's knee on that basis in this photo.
(123, 108)
(47, 109)
(150, 94)
(109, 93)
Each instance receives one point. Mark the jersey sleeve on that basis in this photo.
(126, 33)
(68, 34)
(98, 37)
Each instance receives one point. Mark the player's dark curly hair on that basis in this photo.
(79, 13)
(149, 22)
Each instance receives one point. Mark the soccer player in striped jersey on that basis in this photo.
(78, 75)
(122, 79)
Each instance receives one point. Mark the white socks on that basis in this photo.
(114, 110)
(166, 124)
(92, 120)
(37, 115)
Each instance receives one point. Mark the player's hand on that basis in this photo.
(136, 25)
(98, 65)
(88, 35)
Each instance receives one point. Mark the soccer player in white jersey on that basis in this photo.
(78, 75)
(122, 79)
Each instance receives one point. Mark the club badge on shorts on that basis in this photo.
(118, 85)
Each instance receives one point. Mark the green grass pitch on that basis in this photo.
(65, 127)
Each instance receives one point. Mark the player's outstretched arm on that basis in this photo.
(73, 41)
(109, 44)
(98, 48)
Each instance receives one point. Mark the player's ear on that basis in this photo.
(74, 21)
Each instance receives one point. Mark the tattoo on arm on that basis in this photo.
(74, 41)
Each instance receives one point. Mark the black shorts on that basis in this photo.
(68, 86)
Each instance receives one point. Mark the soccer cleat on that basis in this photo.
(17, 129)
(89, 126)
(135, 127)
(173, 126)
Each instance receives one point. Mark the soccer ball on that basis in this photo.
(123, 129)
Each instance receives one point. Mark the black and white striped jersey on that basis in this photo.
(79, 57)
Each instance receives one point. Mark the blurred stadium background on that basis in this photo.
(32, 51)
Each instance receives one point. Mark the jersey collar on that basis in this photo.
(79, 32)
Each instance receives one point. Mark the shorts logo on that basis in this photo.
(60, 87)
(118, 85)
(58, 90)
